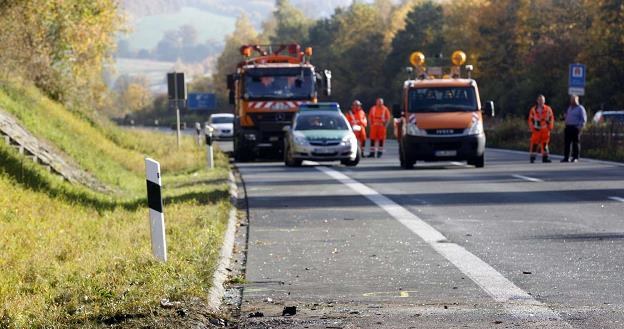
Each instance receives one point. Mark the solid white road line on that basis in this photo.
(527, 178)
(616, 198)
(515, 300)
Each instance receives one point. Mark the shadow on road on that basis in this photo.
(440, 199)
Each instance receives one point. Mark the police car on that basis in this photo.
(320, 132)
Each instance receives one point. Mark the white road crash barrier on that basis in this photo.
(154, 201)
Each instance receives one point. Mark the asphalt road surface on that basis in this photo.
(445, 245)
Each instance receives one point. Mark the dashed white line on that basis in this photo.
(527, 178)
(616, 198)
(515, 300)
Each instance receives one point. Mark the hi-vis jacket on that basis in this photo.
(541, 120)
(357, 117)
(379, 115)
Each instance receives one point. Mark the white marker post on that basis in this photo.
(209, 139)
(154, 201)
(198, 131)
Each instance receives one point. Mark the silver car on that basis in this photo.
(320, 135)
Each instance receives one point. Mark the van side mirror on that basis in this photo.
(396, 111)
(232, 97)
(489, 109)
(230, 81)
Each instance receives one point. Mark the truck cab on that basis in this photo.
(266, 90)
(440, 118)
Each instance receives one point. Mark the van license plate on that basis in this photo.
(273, 138)
(446, 153)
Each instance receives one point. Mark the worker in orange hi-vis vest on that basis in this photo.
(357, 117)
(378, 118)
(541, 122)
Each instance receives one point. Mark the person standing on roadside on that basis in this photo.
(378, 118)
(575, 119)
(541, 122)
(357, 117)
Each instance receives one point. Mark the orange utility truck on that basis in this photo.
(266, 90)
(440, 117)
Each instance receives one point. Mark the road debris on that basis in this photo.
(289, 310)
(165, 303)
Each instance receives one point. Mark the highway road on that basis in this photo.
(445, 245)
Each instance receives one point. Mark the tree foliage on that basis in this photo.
(60, 45)
(519, 48)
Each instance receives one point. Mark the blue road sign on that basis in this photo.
(576, 79)
(202, 101)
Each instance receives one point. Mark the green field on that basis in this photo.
(71, 257)
(148, 30)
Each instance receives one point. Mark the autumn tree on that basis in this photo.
(604, 53)
(244, 33)
(350, 43)
(291, 25)
(423, 32)
(60, 45)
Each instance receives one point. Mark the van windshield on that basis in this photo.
(442, 99)
(279, 83)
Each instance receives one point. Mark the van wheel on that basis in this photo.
(478, 162)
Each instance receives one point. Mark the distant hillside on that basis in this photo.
(148, 30)
(257, 9)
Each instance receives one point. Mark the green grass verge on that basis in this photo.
(112, 155)
(71, 257)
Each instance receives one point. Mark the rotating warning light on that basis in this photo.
(245, 51)
(417, 58)
(458, 58)
(308, 51)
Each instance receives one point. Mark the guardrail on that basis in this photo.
(44, 154)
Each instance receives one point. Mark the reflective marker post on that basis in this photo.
(198, 131)
(209, 139)
(154, 201)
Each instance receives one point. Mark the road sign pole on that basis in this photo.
(157, 217)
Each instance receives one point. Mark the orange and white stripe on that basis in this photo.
(271, 104)
(475, 117)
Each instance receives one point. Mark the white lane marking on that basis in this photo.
(527, 178)
(616, 198)
(515, 300)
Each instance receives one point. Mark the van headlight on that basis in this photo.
(413, 130)
(475, 129)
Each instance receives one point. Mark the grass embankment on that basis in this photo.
(70, 257)
(605, 142)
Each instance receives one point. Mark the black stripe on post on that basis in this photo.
(154, 200)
